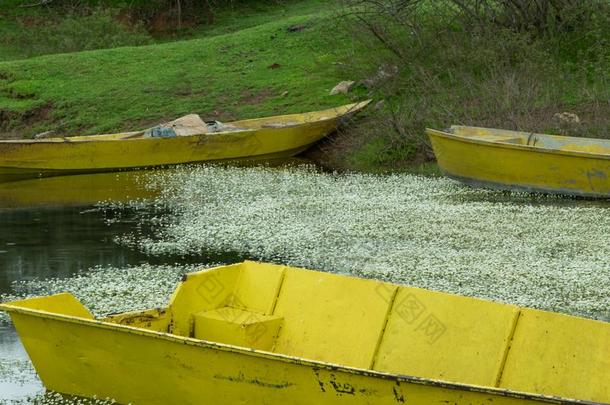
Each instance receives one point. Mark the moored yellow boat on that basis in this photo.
(525, 161)
(262, 138)
(260, 333)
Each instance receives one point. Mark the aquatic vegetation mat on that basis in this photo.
(541, 251)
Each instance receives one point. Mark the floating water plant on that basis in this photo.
(533, 250)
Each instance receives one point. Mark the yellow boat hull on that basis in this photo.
(524, 161)
(266, 334)
(273, 137)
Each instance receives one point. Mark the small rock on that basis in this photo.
(343, 87)
(284, 94)
(384, 73)
(387, 71)
(43, 135)
(566, 119)
(296, 28)
(369, 83)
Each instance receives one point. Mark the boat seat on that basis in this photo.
(238, 327)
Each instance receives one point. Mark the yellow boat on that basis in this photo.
(194, 141)
(267, 334)
(504, 159)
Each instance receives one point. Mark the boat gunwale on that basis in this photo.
(315, 364)
(530, 148)
(349, 109)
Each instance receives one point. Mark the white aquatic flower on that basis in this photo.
(533, 250)
(106, 290)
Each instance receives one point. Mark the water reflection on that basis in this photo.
(57, 242)
(44, 233)
(77, 190)
(17, 378)
(88, 189)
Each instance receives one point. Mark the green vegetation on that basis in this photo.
(263, 70)
(72, 33)
(70, 26)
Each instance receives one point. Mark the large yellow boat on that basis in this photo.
(267, 334)
(186, 140)
(526, 161)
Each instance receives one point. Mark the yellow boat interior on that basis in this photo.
(552, 142)
(376, 326)
(279, 121)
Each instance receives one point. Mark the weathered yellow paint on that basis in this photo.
(416, 319)
(521, 160)
(348, 315)
(327, 339)
(153, 319)
(272, 137)
(555, 343)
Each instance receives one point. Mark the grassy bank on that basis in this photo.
(280, 66)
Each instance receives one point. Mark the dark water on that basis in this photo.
(50, 228)
(57, 242)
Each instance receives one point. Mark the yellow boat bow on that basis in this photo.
(525, 161)
(262, 138)
(268, 334)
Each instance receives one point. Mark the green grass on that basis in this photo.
(250, 14)
(223, 76)
(33, 31)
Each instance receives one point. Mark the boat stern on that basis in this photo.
(60, 304)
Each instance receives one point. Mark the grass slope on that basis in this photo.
(261, 70)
